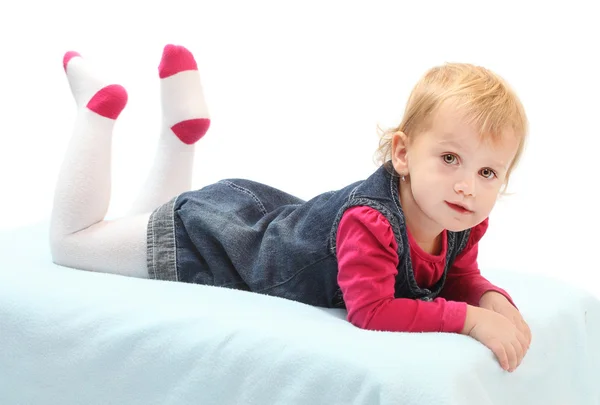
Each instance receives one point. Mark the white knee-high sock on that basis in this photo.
(79, 237)
(185, 119)
(82, 192)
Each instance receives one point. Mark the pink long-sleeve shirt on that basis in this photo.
(368, 260)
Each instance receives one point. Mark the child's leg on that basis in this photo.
(185, 120)
(79, 236)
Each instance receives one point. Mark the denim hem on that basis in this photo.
(161, 244)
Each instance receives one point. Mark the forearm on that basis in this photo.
(409, 315)
(470, 288)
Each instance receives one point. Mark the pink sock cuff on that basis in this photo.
(190, 131)
(109, 101)
(175, 59)
(68, 56)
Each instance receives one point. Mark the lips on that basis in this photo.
(458, 207)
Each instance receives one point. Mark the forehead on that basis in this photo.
(450, 128)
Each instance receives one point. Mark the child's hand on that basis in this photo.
(497, 302)
(497, 333)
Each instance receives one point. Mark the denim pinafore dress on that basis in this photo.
(249, 236)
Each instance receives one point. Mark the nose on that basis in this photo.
(465, 186)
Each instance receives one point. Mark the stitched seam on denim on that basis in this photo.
(154, 246)
(174, 259)
(157, 250)
(364, 201)
(163, 243)
(336, 222)
(408, 267)
(381, 208)
(397, 224)
(294, 275)
(261, 207)
(457, 246)
(394, 192)
(353, 192)
(153, 258)
(150, 247)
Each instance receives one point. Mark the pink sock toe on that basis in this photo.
(175, 59)
(190, 131)
(68, 56)
(109, 101)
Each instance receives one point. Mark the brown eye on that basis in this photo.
(449, 158)
(487, 173)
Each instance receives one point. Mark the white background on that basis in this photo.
(296, 90)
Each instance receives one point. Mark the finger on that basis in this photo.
(524, 343)
(512, 356)
(527, 333)
(520, 323)
(520, 353)
(500, 352)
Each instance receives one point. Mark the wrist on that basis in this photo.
(473, 315)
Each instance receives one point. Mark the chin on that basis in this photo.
(457, 226)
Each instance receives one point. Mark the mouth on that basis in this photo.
(458, 207)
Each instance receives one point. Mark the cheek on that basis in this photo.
(488, 197)
(425, 190)
(430, 180)
(431, 171)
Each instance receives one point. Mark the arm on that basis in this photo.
(367, 261)
(366, 250)
(464, 281)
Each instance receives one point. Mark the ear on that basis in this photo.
(399, 155)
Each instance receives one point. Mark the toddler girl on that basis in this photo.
(397, 250)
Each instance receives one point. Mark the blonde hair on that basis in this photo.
(486, 100)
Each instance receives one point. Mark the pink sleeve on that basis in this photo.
(367, 260)
(464, 281)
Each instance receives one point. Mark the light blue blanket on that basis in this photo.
(73, 337)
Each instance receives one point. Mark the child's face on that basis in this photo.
(454, 175)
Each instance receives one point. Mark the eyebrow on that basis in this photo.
(451, 143)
